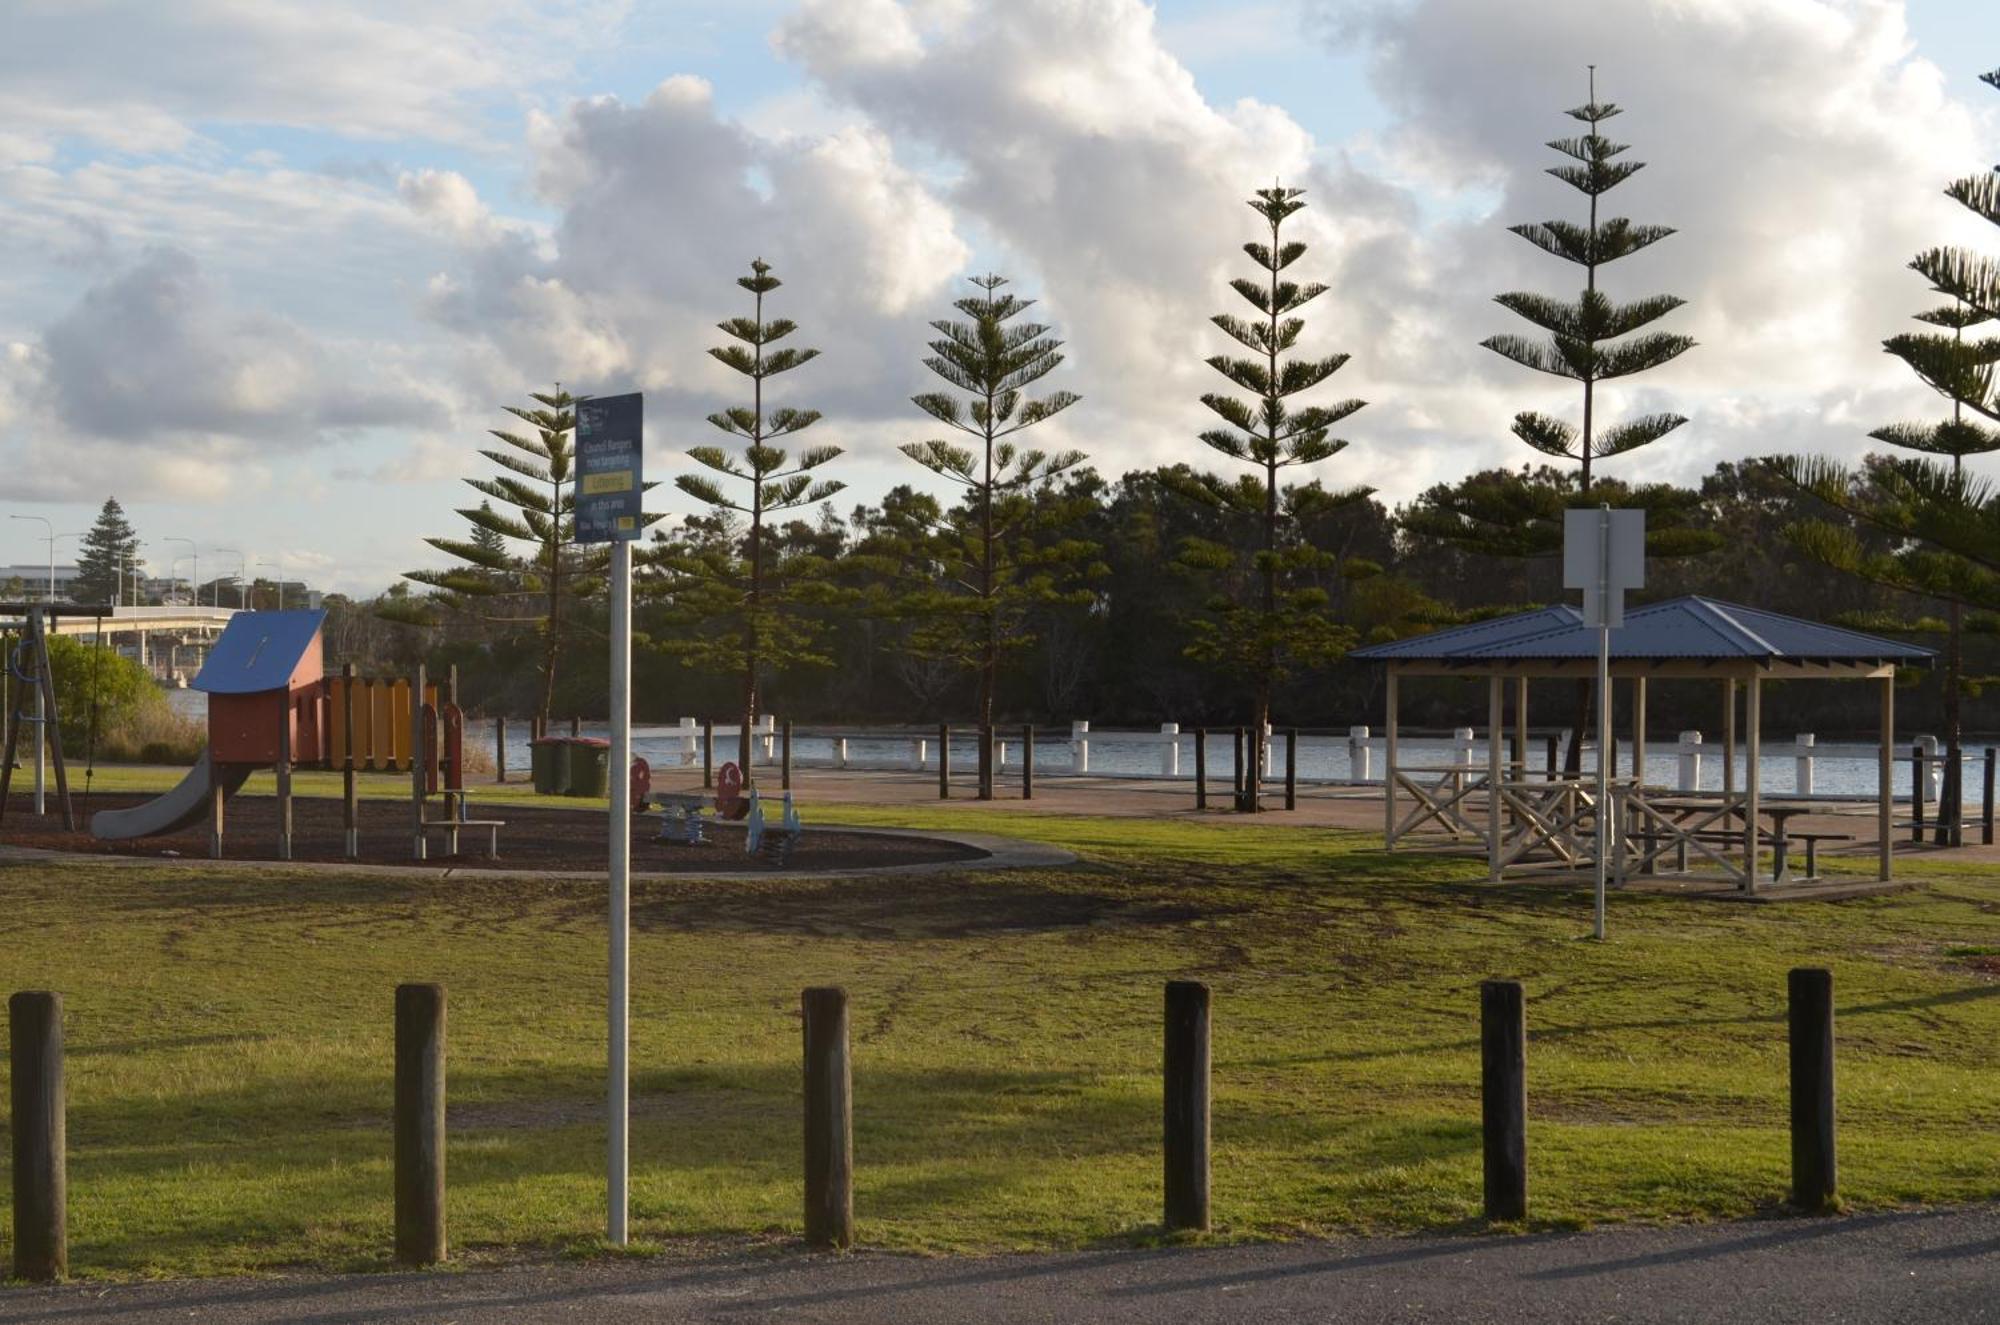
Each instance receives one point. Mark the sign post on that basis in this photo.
(610, 483)
(1604, 554)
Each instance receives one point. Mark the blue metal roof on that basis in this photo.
(1679, 628)
(258, 651)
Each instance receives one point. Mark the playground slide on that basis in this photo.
(182, 806)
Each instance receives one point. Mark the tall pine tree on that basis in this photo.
(110, 544)
(752, 609)
(1282, 622)
(1961, 369)
(975, 609)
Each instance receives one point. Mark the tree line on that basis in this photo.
(1035, 588)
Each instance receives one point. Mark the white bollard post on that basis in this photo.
(1170, 749)
(1079, 747)
(1270, 769)
(920, 754)
(768, 725)
(1806, 741)
(1933, 768)
(1690, 761)
(690, 739)
(1358, 755)
(999, 753)
(840, 753)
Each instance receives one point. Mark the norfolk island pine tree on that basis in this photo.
(752, 610)
(1288, 625)
(1892, 496)
(1578, 345)
(110, 547)
(974, 609)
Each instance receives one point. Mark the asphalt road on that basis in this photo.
(1877, 1269)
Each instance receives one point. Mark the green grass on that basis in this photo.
(230, 1035)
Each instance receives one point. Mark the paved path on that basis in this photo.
(1876, 1269)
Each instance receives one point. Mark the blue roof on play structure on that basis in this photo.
(258, 651)
(1679, 628)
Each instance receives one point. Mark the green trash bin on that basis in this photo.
(588, 760)
(548, 763)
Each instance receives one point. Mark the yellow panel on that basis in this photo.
(379, 716)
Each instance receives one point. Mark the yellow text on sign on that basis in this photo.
(596, 485)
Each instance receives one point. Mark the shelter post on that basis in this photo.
(1496, 691)
(1638, 731)
(1885, 774)
(1389, 762)
(1753, 722)
(1520, 771)
(1728, 739)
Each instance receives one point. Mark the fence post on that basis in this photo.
(1986, 802)
(944, 761)
(829, 1120)
(1170, 749)
(1292, 768)
(350, 807)
(1503, 1097)
(1079, 746)
(1815, 1183)
(500, 749)
(284, 779)
(1917, 780)
(785, 756)
(1358, 755)
(41, 1169)
(1201, 768)
(1803, 771)
(707, 752)
(1186, 1118)
(1236, 768)
(576, 726)
(1554, 744)
(1027, 761)
(420, 1124)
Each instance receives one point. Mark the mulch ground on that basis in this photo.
(533, 838)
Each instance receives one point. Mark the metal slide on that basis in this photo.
(184, 805)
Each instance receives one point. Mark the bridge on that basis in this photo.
(170, 642)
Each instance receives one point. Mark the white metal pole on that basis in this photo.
(619, 1102)
(1603, 708)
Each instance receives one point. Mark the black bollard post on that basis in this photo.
(1815, 1181)
(500, 749)
(1554, 751)
(1028, 761)
(785, 755)
(1917, 794)
(944, 761)
(1986, 804)
(41, 1170)
(1186, 1092)
(1292, 768)
(350, 805)
(420, 1124)
(1237, 768)
(829, 1120)
(707, 753)
(1503, 1097)
(1201, 768)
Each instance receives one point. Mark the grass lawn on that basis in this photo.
(230, 1035)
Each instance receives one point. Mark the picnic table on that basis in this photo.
(1685, 808)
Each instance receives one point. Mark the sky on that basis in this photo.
(269, 269)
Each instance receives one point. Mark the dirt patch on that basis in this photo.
(533, 838)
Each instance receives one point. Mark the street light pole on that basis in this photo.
(52, 548)
(241, 568)
(194, 581)
(280, 581)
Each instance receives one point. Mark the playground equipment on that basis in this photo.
(773, 843)
(263, 681)
(28, 664)
(437, 764)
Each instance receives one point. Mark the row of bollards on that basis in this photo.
(35, 1041)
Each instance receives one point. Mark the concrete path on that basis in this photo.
(1942, 1267)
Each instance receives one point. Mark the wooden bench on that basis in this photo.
(1780, 870)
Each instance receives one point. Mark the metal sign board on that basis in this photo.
(610, 468)
(1604, 554)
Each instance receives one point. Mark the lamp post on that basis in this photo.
(194, 578)
(51, 539)
(280, 581)
(242, 586)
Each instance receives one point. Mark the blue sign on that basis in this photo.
(610, 465)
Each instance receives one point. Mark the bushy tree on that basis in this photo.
(985, 571)
(1266, 613)
(751, 602)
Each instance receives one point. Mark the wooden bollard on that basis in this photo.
(1503, 1098)
(708, 752)
(944, 761)
(1237, 767)
(785, 755)
(500, 749)
(41, 1170)
(420, 1030)
(1917, 793)
(1186, 1100)
(1815, 1180)
(1028, 766)
(1292, 769)
(1201, 768)
(350, 804)
(1986, 805)
(284, 778)
(829, 1120)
